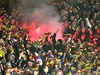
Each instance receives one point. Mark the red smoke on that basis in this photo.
(37, 29)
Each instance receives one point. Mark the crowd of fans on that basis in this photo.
(78, 53)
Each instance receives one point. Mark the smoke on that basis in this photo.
(40, 17)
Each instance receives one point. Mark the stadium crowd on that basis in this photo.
(78, 53)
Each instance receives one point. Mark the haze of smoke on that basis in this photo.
(43, 14)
